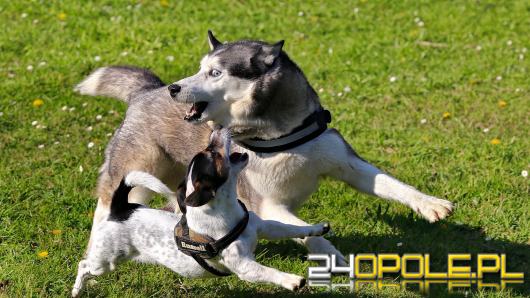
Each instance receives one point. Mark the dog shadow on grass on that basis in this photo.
(418, 236)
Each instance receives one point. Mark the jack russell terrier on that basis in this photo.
(214, 235)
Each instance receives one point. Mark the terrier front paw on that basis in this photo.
(294, 282)
(321, 229)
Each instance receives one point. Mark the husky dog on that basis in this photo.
(132, 231)
(254, 89)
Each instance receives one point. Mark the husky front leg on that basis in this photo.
(346, 165)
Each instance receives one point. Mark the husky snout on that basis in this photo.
(174, 89)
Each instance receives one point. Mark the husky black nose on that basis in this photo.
(173, 89)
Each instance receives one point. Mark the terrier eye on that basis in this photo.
(215, 73)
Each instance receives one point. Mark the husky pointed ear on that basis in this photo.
(212, 41)
(272, 52)
(199, 197)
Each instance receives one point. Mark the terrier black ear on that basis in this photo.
(181, 196)
(272, 52)
(212, 41)
(199, 197)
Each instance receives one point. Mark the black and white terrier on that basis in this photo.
(211, 211)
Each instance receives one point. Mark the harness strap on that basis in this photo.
(312, 126)
(208, 267)
(205, 247)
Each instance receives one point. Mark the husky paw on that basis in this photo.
(294, 282)
(433, 209)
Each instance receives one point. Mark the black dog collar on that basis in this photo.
(312, 126)
(202, 247)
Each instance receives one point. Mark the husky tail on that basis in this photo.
(118, 82)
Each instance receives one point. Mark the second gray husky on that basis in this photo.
(254, 89)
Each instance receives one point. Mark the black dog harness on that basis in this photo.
(312, 126)
(201, 247)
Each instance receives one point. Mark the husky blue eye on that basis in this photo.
(215, 73)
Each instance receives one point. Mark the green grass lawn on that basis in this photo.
(419, 88)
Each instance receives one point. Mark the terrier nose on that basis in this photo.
(174, 89)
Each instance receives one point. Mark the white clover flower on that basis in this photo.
(24, 15)
(34, 123)
(300, 13)
(64, 108)
(97, 58)
(124, 53)
(84, 104)
(478, 48)
(330, 51)
(521, 57)
(1, 114)
(417, 20)
(56, 143)
(29, 67)
(71, 109)
(523, 50)
(498, 78)
(392, 79)
(41, 146)
(89, 128)
(421, 23)
(109, 134)
(90, 145)
(170, 58)
(524, 173)
(81, 169)
(42, 63)
(339, 94)
(98, 117)
(320, 90)
(509, 43)
(35, 21)
(486, 130)
(356, 10)
(423, 121)
(347, 89)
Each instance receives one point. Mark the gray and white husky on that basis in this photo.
(255, 90)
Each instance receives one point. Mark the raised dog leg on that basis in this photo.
(317, 245)
(275, 230)
(346, 165)
(249, 270)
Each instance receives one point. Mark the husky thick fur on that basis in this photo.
(254, 89)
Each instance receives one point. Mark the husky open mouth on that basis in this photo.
(196, 111)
